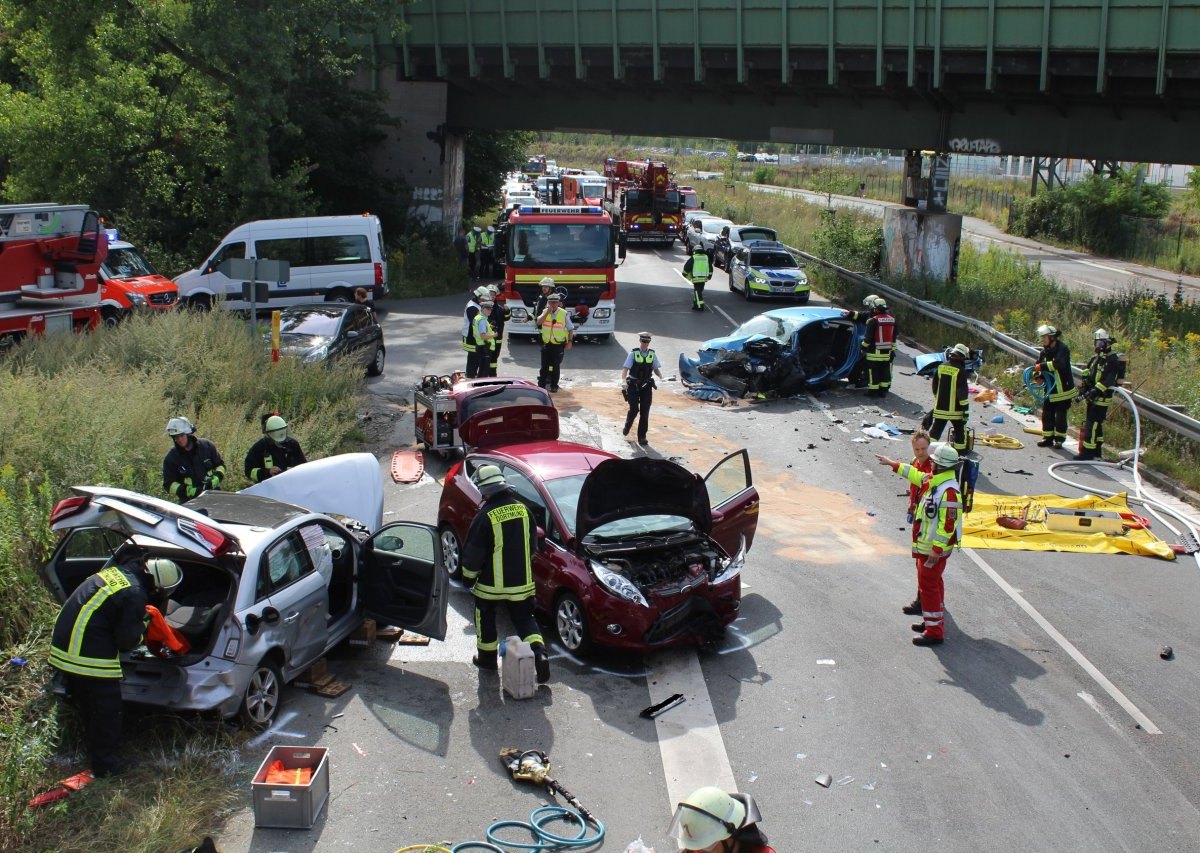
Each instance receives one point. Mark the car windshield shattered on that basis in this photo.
(779, 328)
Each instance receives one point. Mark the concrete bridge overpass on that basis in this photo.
(1097, 79)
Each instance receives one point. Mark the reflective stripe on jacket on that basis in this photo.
(498, 549)
(1056, 361)
(1101, 376)
(934, 530)
(700, 270)
(950, 395)
(880, 337)
(105, 615)
(554, 327)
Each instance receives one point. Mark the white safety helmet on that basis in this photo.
(481, 292)
(491, 229)
(180, 426)
(488, 475)
(276, 428)
(546, 281)
(1100, 335)
(166, 574)
(1047, 329)
(880, 304)
(493, 289)
(961, 349)
(709, 815)
(869, 300)
(943, 455)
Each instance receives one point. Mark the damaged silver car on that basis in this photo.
(273, 578)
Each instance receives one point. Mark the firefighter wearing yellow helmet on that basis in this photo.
(1054, 367)
(1104, 370)
(274, 453)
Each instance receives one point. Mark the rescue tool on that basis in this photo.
(533, 765)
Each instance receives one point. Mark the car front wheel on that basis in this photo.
(264, 693)
(451, 552)
(570, 621)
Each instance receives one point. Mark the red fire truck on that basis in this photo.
(50, 257)
(584, 189)
(574, 245)
(644, 199)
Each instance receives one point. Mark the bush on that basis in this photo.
(423, 262)
(850, 241)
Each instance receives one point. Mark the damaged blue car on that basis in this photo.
(778, 354)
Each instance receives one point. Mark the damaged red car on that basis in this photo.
(636, 554)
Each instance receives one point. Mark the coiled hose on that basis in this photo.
(541, 837)
(1155, 508)
(1039, 385)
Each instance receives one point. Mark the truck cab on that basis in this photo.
(129, 283)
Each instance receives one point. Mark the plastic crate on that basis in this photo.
(291, 806)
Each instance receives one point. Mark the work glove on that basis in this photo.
(190, 492)
(909, 517)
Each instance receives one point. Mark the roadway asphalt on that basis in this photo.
(1097, 276)
(1047, 721)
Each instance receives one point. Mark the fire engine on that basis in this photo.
(584, 189)
(644, 199)
(50, 257)
(574, 245)
(534, 167)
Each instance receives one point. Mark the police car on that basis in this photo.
(766, 268)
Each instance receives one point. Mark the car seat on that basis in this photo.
(194, 614)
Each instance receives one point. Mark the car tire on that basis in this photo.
(375, 368)
(451, 551)
(263, 696)
(111, 317)
(338, 294)
(200, 302)
(746, 292)
(570, 623)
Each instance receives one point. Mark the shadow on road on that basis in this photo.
(989, 670)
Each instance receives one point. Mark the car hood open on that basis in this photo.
(625, 488)
(350, 484)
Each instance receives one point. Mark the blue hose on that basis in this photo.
(1041, 389)
(542, 838)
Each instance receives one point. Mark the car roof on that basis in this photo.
(551, 460)
(765, 246)
(803, 312)
(322, 308)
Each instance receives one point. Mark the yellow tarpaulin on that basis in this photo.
(981, 530)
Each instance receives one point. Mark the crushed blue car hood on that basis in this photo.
(801, 315)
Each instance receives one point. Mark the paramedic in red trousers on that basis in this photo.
(951, 398)
(637, 378)
(558, 335)
(937, 527)
(193, 465)
(1101, 375)
(497, 566)
(924, 464)
(104, 616)
(878, 344)
(1054, 366)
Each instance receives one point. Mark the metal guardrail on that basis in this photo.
(1152, 410)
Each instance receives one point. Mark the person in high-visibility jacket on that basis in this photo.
(558, 336)
(500, 315)
(497, 565)
(637, 379)
(474, 242)
(923, 463)
(193, 465)
(482, 336)
(1054, 366)
(698, 270)
(274, 453)
(470, 312)
(104, 616)
(937, 528)
(951, 397)
(487, 246)
(1102, 374)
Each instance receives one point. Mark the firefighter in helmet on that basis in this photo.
(274, 453)
(104, 616)
(193, 465)
(1103, 372)
(497, 557)
(1054, 367)
(710, 819)
(698, 270)
(475, 356)
(879, 348)
(500, 315)
(951, 397)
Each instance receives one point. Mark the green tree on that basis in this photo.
(490, 155)
(1192, 193)
(179, 118)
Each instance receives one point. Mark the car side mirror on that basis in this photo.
(352, 334)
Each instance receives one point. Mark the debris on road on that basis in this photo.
(665, 705)
(824, 780)
(1167, 653)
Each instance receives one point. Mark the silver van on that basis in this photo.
(329, 256)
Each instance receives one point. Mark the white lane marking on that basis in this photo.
(689, 737)
(821, 407)
(1066, 645)
(1095, 706)
(731, 322)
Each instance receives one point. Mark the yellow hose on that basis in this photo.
(424, 848)
(1004, 442)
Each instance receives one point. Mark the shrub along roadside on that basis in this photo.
(91, 409)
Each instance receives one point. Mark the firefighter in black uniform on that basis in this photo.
(951, 398)
(879, 348)
(1054, 366)
(104, 616)
(500, 315)
(637, 380)
(496, 565)
(193, 465)
(1102, 374)
(274, 453)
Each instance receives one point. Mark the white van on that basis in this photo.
(329, 255)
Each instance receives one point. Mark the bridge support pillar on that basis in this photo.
(920, 244)
(423, 153)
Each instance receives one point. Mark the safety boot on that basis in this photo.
(1046, 442)
(919, 627)
(913, 608)
(541, 663)
(485, 660)
(925, 640)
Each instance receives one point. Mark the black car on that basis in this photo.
(325, 331)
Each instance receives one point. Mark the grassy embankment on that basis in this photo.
(91, 409)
